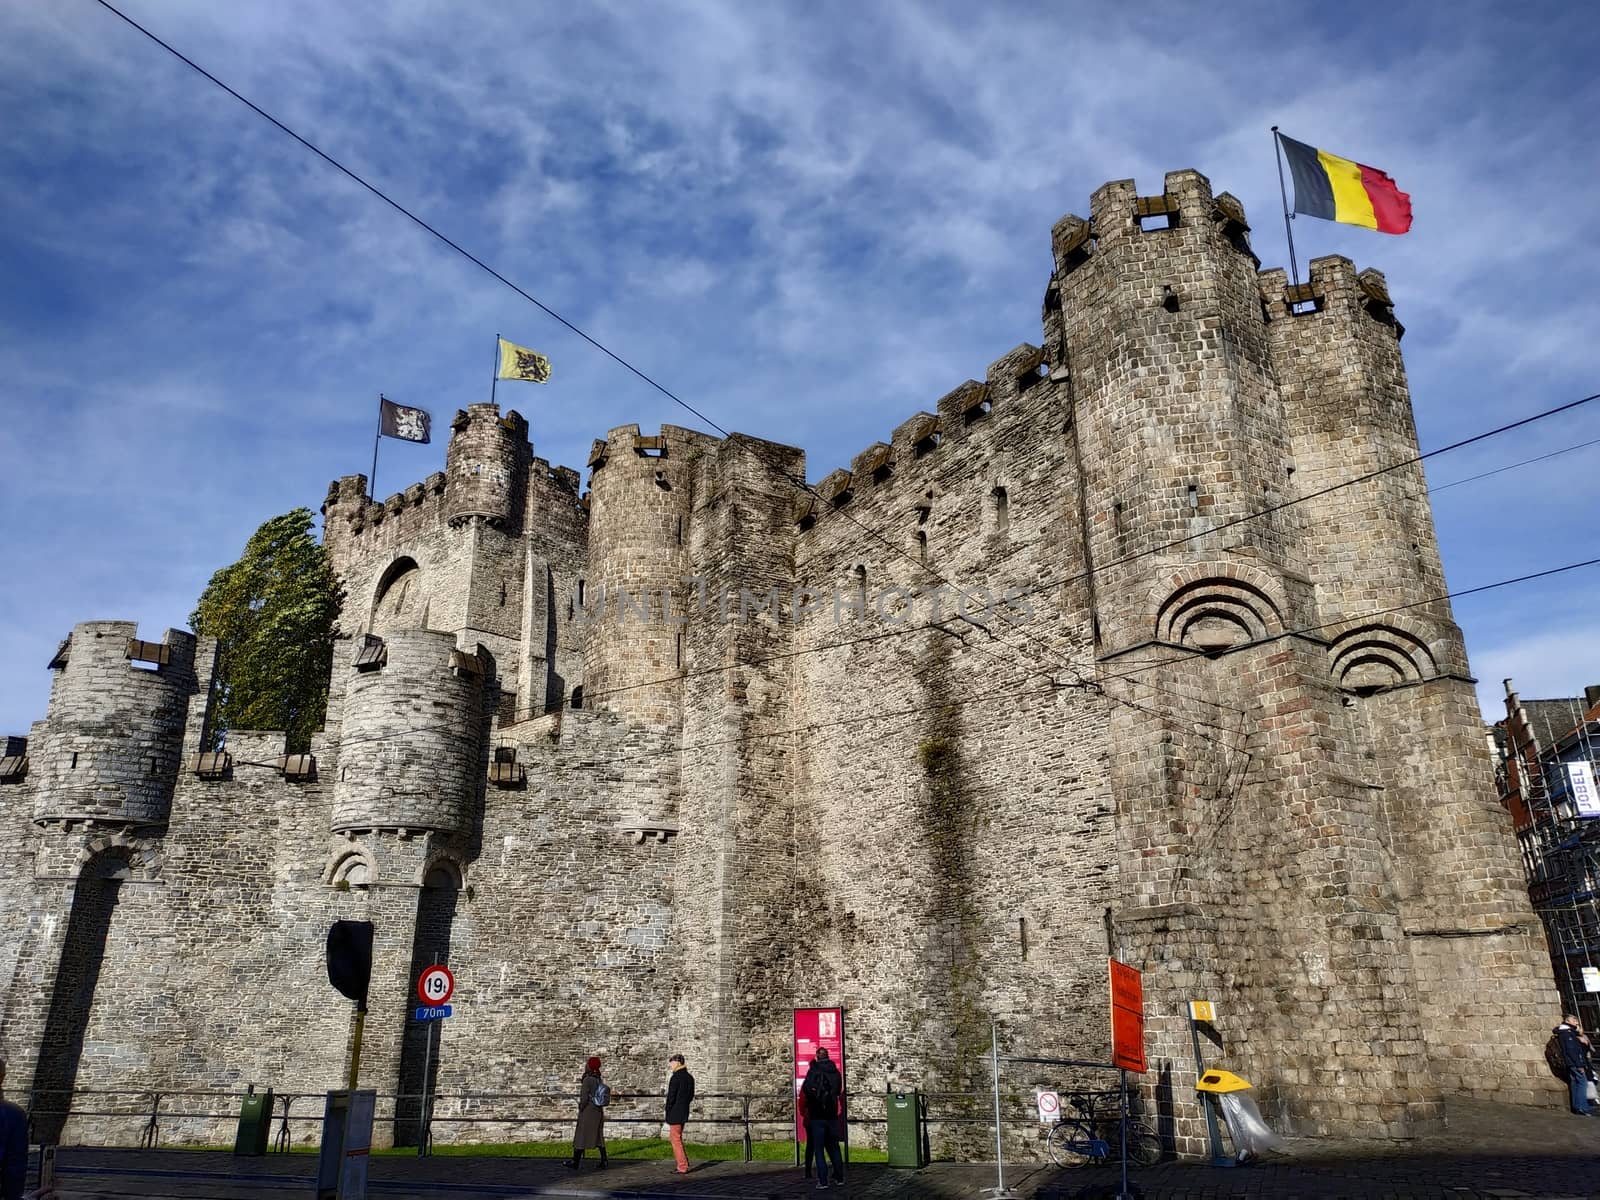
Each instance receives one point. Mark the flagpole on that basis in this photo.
(495, 378)
(1288, 221)
(373, 482)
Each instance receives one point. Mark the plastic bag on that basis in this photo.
(1249, 1131)
(1594, 1093)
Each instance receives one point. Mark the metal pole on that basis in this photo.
(1000, 1191)
(1213, 1134)
(422, 1107)
(1288, 225)
(372, 483)
(355, 1048)
(494, 379)
(1122, 1130)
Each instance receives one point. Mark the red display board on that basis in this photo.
(817, 1029)
(1127, 1017)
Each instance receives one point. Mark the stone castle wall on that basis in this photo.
(651, 767)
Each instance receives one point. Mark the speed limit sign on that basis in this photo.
(436, 985)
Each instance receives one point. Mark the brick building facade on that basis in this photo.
(650, 766)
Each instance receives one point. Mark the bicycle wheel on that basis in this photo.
(1071, 1144)
(1144, 1147)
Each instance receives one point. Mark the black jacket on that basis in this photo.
(1574, 1051)
(822, 1087)
(680, 1093)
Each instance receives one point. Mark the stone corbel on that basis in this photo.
(639, 828)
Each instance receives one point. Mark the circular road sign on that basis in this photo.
(1049, 1106)
(436, 985)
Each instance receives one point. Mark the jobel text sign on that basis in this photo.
(1127, 1017)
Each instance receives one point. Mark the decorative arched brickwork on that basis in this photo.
(350, 865)
(447, 863)
(1212, 607)
(1373, 655)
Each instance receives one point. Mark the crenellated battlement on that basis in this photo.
(598, 749)
(1118, 213)
(1333, 285)
(960, 413)
(113, 737)
(494, 466)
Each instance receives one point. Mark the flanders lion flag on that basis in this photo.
(518, 362)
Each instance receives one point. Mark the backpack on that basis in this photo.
(602, 1093)
(822, 1098)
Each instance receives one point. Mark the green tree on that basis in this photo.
(274, 614)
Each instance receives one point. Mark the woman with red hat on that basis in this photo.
(593, 1093)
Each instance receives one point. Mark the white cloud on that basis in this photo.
(1542, 666)
(809, 221)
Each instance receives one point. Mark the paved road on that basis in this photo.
(1487, 1151)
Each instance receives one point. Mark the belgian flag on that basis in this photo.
(1337, 189)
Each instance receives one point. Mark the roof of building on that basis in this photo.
(1551, 720)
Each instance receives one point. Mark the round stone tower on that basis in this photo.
(113, 738)
(641, 497)
(486, 467)
(411, 753)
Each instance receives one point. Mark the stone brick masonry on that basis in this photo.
(1018, 688)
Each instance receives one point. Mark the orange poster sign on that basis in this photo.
(1127, 1017)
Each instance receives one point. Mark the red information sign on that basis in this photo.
(817, 1029)
(1127, 1017)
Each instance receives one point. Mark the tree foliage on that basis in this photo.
(274, 614)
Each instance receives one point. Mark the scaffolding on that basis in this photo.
(1560, 842)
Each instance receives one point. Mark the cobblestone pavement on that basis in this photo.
(1487, 1151)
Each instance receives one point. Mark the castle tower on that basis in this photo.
(112, 743)
(486, 467)
(411, 744)
(1255, 851)
(641, 498)
(1396, 656)
(347, 495)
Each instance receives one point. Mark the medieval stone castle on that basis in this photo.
(1026, 684)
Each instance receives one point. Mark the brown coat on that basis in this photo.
(591, 1132)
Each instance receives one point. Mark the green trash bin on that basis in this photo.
(905, 1129)
(255, 1123)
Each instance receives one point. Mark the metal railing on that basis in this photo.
(415, 1118)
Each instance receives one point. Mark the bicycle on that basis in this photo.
(1094, 1135)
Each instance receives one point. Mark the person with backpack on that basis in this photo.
(823, 1089)
(1573, 1047)
(593, 1095)
(680, 1094)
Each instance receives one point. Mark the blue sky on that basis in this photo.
(809, 220)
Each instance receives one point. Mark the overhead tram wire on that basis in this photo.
(1444, 487)
(909, 629)
(676, 399)
(995, 694)
(484, 266)
(442, 237)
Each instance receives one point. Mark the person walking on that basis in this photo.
(823, 1089)
(680, 1094)
(13, 1145)
(1574, 1047)
(593, 1093)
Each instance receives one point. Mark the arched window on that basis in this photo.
(398, 601)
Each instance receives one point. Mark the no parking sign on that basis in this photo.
(1049, 1108)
